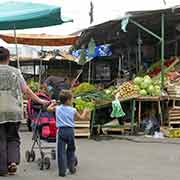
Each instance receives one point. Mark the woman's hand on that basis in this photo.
(44, 102)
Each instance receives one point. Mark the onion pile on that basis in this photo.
(127, 89)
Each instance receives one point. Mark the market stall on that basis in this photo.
(144, 37)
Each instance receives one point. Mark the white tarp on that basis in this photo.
(103, 11)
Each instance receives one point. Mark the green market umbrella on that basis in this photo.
(23, 15)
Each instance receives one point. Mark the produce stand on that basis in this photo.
(109, 105)
(157, 99)
(161, 40)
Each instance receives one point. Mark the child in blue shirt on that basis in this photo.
(65, 117)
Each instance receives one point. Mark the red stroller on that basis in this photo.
(43, 126)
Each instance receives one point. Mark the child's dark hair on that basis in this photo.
(64, 96)
(4, 54)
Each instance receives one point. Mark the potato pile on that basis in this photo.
(127, 89)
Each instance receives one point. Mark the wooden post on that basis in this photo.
(139, 113)
(160, 111)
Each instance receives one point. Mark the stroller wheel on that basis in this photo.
(40, 164)
(42, 154)
(53, 154)
(28, 156)
(33, 156)
(47, 163)
(29, 125)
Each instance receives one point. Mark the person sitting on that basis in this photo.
(56, 84)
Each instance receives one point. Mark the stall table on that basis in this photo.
(157, 99)
(108, 105)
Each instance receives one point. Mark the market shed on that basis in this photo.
(158, 28)
(111, 31)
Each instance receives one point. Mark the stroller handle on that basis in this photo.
(41, 107)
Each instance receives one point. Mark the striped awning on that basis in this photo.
(40, 39)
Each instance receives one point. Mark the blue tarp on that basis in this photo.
(101, 50)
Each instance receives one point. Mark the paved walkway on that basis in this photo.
(113, 159)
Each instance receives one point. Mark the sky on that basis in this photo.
(104, 10)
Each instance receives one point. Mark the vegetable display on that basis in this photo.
(83, 88)
(155, 69)
(127, 89)
(146, 86)
(81, 104)
(95, 98)
(34, 85)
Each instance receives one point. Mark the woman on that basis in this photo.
(11, 113)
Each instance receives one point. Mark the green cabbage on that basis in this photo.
(143, 92)
(138, 80)
(151, 89)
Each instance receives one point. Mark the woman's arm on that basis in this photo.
(34, 97)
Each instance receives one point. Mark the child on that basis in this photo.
(65, 117)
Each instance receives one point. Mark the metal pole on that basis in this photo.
(89, 73)
(145, 29)
(176, 48)
(40, 72)
(133, 116)
(34, 69)
(17, 54)
(139, 50)
(128, 55)
(162, 51)
(70, 69)
(119, 68)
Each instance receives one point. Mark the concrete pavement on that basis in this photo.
(111, 160)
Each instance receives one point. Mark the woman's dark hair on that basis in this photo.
(64, 96)
(4, 54)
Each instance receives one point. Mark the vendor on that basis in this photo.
(55, 84)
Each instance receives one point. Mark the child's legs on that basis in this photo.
(61, 153)
(71, 150)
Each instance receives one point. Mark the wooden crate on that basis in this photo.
(171, 132)
(116, 130)
(174, 132)
(174, 116)
(82, 128)
(82, 132)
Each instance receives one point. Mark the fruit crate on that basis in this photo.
(174, 133)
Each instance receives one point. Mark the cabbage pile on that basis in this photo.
(146, 86)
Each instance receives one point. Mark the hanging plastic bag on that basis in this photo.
(117, 111)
